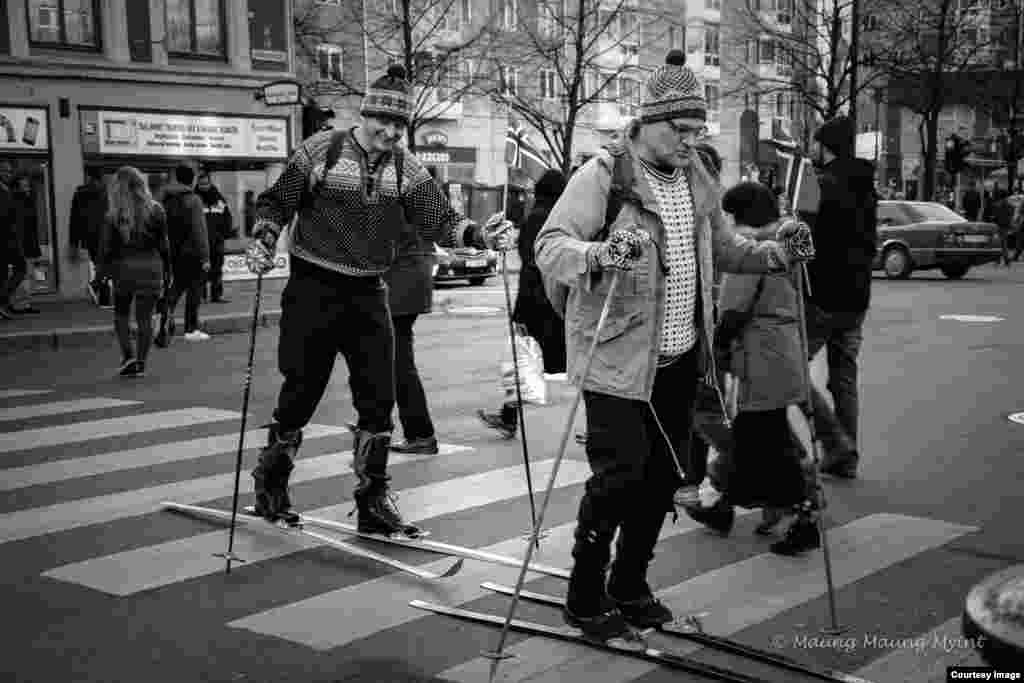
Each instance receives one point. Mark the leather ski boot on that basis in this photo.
(587, 606)
(375, 506)
(627, 584)
(272, 472)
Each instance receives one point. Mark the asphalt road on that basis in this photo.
(99, 583)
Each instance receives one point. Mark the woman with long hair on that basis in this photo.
(134, 252)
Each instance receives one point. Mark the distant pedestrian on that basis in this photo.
(219, 229)
(532, 308)
(26, 215)
(134, 251)
(88, 213)
(190, 251)
(12, 253)
(1002, 215)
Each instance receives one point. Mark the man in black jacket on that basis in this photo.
(219, 229)
(88, 211)
(190, 251)
(844, 236)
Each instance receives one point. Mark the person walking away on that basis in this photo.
(135, 252)
(219, 229)
(759, 340)
(410, 282)
(190, 252)
(12, 253)
(1002, 216)
(88, 213)
(845, 233)
(349, 189)
(656, 342)
(532, 308)
(26, 218)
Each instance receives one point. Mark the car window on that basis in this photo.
(928, 211)
(891, 212)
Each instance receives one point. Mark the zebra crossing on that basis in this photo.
(332, 606)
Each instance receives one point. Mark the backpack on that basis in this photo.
(620, 192)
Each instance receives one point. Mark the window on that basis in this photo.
(780, 104)
(466, 10)
(68, 23)
(675, 37)
(783, 61)
(509, 80)
(629, 27)
(694, 40)
(766, 50)
(871, 23)
(334, 3)
(548, 90)
(711, 95)
(329, 60)
(785, 12)
(508, 10)
(713, 4)
(629, 96)
(448, 77)
(195, 27)
(711, 57)
(547, 19)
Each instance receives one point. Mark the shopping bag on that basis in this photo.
(532, 386)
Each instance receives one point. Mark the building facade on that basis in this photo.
(149, 83)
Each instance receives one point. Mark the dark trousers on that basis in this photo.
(413, 412)
(188, 280)
(325, 313)
(216, 274)
(767, 470)
(634, 478)
(841, 334)
(144, 305)
(13, 269)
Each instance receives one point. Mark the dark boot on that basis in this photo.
(718, 517)
(627, 585)
(802, 534)
(272, 473)
(587, 606)
(377, 513)
(842, 465)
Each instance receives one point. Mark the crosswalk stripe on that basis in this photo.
(924, 657)
(76, 432)
(62, 407)
(735, 597)
(160, 565)
(19, 393)
(313, 622)
(30, 522)
(63, 470)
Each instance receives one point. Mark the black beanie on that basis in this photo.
(838, 136)
(550, 185)
(751, 204)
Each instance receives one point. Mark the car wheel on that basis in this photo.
(955, 271)
(896, 263)
(477, 281)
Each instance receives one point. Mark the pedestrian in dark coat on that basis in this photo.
(190, 251)
(410, 283)
(218, 229)
(12, 253)
(532, 309)
(88, 213)
(134, 251)
(26, 225)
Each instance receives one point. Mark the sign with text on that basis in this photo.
(235, 268)
(201, 136)
(23, 129)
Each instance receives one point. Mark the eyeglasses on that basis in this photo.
(682, 130)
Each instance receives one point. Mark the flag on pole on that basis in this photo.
(521, 154)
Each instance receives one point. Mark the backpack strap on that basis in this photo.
(621, 189)
(333, 155)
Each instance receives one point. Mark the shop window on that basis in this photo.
(64, 23)
(195, 28)
(329, 60)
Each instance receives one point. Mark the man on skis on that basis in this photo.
(656, 343)
(351, 190)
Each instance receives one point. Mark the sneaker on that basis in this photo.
(196, 335)
(127, 368)
(494, 421)
(426, 445)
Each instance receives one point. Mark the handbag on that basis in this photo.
(532, 385)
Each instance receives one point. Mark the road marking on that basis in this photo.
(177, 451)
(735, 597)
(1016, 417)
(973, 318)
(62, 407)
(102, 429)
(15, 526)
(19, 393)
(314, 622)
(160, 565)
(925, 656)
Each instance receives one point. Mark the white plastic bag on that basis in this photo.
(532, 386)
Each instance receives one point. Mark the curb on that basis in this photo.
(103, 335)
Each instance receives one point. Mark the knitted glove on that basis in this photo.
(259, 255)
(621, 251)
(795, 238)
(498, 233)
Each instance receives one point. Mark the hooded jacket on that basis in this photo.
(186, 225)
(217, 214)
(88, 213)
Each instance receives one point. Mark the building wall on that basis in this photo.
(124, 75)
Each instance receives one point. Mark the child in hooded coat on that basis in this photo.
(758, 340)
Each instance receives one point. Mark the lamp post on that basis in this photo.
(878, 130)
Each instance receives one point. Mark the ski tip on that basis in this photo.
(454, 569)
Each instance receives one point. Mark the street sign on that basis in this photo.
(280, 93)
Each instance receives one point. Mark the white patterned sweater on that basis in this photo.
(675, 203)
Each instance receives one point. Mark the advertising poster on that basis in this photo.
(23, 129)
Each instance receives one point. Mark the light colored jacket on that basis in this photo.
(627, 351)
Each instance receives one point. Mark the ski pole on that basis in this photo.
(229, 555)
(497, 654)
(519, 393)
(819, 493)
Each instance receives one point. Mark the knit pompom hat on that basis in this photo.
(389, 96)
(673, 92)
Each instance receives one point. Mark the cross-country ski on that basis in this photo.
(706, 639)
(252, 520)
(639, 649)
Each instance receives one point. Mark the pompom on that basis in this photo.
(397, 71)
(675, 58)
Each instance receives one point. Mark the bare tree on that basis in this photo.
(438, 48)
(576, 55)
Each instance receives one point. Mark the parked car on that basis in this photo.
(927, 235)
(464, 263)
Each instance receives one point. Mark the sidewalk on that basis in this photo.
(81, 323)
